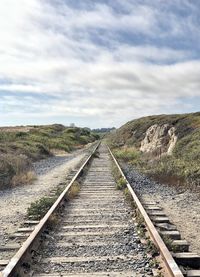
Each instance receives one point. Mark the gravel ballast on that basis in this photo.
(96, 232)
(180, 205)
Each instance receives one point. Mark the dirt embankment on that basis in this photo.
(167, 147)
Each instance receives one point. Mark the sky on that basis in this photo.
(97, 63)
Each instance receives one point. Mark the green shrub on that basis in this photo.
(40, 207)
(84, 139)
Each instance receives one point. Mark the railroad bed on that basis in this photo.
(96, 236)
(95, 233)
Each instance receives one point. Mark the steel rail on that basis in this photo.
(169, 261)
(15, 261)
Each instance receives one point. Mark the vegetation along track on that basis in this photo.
(94, 234)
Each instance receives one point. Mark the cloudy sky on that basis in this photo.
(97, 63)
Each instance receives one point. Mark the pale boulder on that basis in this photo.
(159, 139)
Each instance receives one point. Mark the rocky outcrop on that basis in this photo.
(159, 139)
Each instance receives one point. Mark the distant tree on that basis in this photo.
(103, 130)
(86, 128)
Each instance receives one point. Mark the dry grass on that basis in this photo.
(23, 178)
(15, 170)
(121, 183)
(115, 172)
(73, 191)
(127, 154)
(53, 221)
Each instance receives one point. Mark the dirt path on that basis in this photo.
(182, 207)
(14, 202)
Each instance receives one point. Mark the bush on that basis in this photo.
(6, 173)
(23, 178)
(14, 169)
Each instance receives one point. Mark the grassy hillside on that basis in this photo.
(181, 167)
(19, 147)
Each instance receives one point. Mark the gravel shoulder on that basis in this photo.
(182, 207)
(50, 172)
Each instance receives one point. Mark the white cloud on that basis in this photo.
(51, 50)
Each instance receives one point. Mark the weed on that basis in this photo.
(52, 221)
(128, 194)
(140, 224)
(84, 170)
(96, 154)
(152, 248)
(115, 172)
(40, 207)
(73, 191)
(160, 274)
(169, 243)
(154, 263)
(59, 190)
(141, 231)
(121, 183)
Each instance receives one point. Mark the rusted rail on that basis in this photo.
(13, 267)
(169, 261)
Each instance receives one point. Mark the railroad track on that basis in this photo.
(95, 234)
